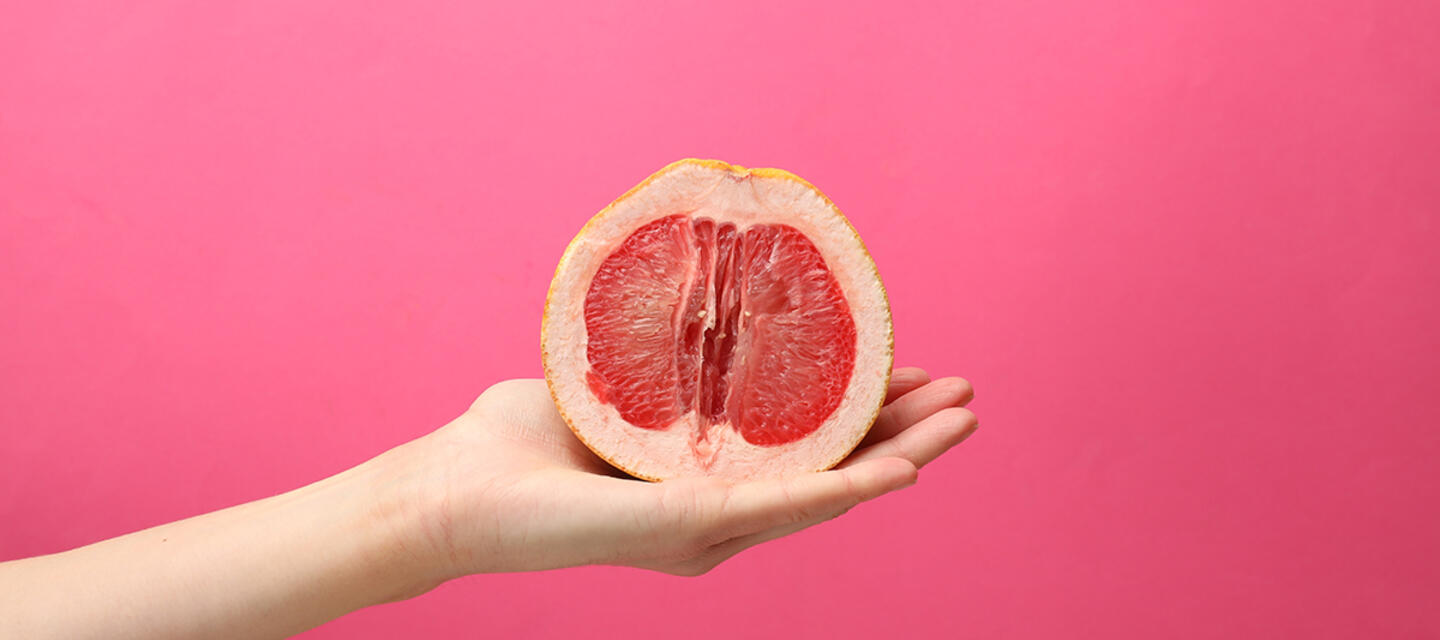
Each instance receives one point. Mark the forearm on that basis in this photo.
(269, 568)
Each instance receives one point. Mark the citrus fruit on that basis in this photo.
(721, 321)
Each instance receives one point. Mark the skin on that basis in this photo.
(505, 487)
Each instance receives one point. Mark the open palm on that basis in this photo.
(519, 491)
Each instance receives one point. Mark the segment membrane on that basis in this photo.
(740, 328)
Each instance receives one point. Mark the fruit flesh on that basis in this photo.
(733, 328)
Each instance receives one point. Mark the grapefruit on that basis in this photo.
(718, 321)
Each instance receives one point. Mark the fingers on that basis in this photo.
(757, 512)
(904, 380)
(753, 507)
(918, 405)
(727, 549)
(922, 442)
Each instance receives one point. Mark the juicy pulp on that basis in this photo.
(745, 328)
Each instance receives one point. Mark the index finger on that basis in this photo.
(757, 506)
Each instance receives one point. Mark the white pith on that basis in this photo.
(744, 198)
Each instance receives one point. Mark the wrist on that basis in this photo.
(393, 510)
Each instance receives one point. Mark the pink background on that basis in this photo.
(1187, 254)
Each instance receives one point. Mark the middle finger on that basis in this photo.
(918, 405)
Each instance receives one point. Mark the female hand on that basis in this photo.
(504, 487)
(512, 489)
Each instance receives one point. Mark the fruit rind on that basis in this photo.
(576, 245)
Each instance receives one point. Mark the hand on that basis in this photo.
(504, 487)
(512, 489)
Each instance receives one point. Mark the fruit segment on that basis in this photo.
(745, 328)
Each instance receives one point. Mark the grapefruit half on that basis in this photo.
(718, 321)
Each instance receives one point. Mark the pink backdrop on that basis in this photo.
(1187, 253)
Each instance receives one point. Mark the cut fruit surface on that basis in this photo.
(687, 310)
(718, 321)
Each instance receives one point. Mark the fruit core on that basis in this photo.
(745, 328)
